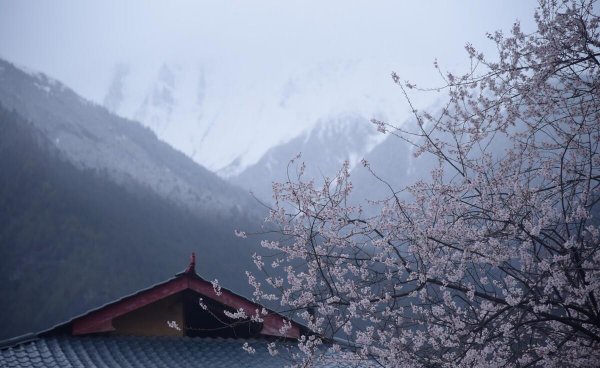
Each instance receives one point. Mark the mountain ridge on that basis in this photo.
(324, 148)
(91, 137)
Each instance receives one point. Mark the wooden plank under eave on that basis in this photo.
(101, 320)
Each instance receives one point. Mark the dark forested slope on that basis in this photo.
(72, 239)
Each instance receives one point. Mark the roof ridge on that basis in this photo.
(18, 340)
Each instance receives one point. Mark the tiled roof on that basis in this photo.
(142, 352)
(192, 281)
(62, 346)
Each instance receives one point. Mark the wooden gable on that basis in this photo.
(186, 305)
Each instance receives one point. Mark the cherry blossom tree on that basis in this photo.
(492, 261)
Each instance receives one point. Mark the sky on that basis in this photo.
(78, 42)
(249, 45)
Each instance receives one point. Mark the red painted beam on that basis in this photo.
(101, 320)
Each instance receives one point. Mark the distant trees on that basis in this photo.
(495, 259)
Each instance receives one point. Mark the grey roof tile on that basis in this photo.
(135, 351)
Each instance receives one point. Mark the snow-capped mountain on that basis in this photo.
(323, 149)
(92, 138)
(227, 120)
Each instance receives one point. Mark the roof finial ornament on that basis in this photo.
(192, 267)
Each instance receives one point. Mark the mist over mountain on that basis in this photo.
(324, 148)
(228, 124)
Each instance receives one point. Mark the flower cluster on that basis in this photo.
(492, 261)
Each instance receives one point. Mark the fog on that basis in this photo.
(249, 52)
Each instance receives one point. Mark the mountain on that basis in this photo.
(228, 121)
(324, 148)
(391, 163)
(91, 137)
(93, 206)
